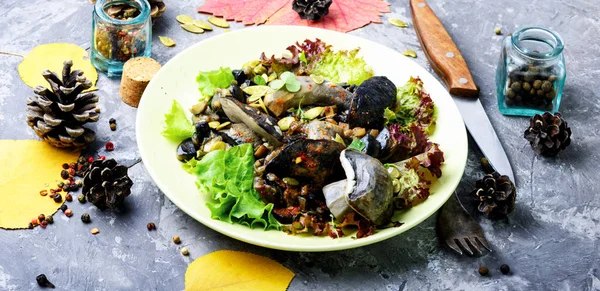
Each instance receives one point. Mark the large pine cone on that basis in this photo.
(106, 184)
(548, 134)
(496, 195)
(157, 8)
(57, 114)
(311, 9)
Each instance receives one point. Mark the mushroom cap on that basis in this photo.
(369, 189)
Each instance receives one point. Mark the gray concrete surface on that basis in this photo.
(551, 241)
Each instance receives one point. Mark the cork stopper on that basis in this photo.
(137, 73)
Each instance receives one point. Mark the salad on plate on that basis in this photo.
(310, 142)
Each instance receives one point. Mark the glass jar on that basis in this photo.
(531, 72)
(121, 29)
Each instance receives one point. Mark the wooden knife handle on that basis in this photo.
(440, 49)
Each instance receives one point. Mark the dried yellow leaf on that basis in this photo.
(184, 19)
(231, 270)
(410, 53)
(166, 41)
(51, 57)
(220, 22)
(34, 166)
(202, 24)
(397, 22)
(192, 28)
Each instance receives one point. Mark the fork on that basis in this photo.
(459, 231)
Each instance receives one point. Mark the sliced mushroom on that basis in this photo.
(311, 93)
(263, 124)
(368, 189)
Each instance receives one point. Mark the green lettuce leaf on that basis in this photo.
(413, 106)
(357, 144)
(211, 80)
(341, 66)
(227, 176)
(177, 126)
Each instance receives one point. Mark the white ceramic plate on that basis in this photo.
(177, 80)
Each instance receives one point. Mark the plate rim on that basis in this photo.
(214, 224)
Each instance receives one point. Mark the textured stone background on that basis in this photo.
(551, 241)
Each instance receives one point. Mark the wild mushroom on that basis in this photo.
(311, 93)
(367, 189)
(263, 124)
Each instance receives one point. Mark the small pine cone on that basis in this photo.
(311, 9)
(157, 8)
(496, 195)
(106, 184)
(548, 134)
(57, 114)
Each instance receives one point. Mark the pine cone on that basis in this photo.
(157, 8)
(548, 134)
(496, 195)
(57, 114)
(106, 184)
(311, 9)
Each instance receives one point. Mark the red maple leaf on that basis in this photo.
(344, 15)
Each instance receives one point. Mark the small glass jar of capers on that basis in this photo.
(121, 30)
(531, 72)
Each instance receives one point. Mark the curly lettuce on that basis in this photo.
(416, 175)
(227, 177)
(177, 126)
(413, 106)
(211, 80)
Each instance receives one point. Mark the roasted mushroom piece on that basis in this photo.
(262, 124)
(309, 161)
(311, 93)
(369, 101)
(367, 189)
(186, 150)
(240, 133)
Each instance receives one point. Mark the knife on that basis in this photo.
(449, 64)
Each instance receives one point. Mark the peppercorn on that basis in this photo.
(110, 146)
(86, 218)
(102, 158)
(90, 159)
(68, 197)
(65, 166)
(81, 198)
(43, 281)
(72, 165)
(113, 126)
(41, 217)
(112, 121)
(151, 226)
(34, 222)
(176, 239)
(71, 172)
(483, 271)
(516, 86)
(184, 251)
(60, 184)
(64, 207)
(30, 226)
(504, 269)
(69, 212)
(44, 192)
(81, 160)
(64, 174)
(57, 198)
(497, 31)
(546, 86)
(43, 224)
(50, 219)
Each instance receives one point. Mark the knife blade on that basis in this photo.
(449, 64)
